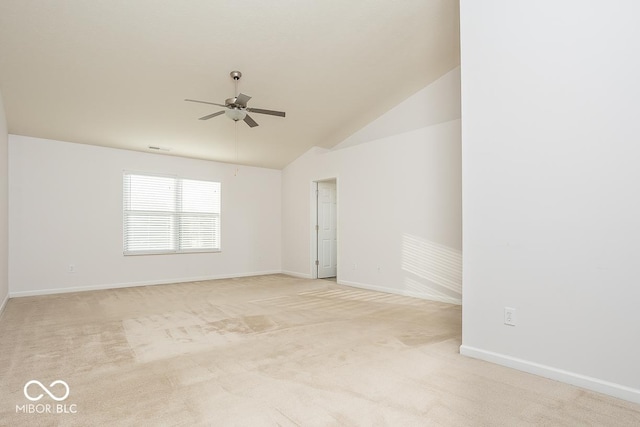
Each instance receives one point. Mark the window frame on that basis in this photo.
(176, 216)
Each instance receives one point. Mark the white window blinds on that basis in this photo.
(165, 214)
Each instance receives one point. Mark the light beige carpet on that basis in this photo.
(269, 350)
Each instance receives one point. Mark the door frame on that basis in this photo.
(313, 221)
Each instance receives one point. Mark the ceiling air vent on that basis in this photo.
(156, 148)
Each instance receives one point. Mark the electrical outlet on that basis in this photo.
(510, 316)
(72, 268)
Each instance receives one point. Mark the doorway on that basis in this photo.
(326, 229)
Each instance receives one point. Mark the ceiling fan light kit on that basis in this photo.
(236, 108)
(235, 114)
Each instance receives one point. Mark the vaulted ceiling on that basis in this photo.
(116, 72)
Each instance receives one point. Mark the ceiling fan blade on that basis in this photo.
(248, 120)
(242, 99)
(205, 102)
(211, 115)
(270, 112)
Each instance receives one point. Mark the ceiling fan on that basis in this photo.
(236, 107)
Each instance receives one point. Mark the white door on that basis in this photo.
(327, 230)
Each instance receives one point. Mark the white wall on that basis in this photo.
(65, 207)
(434, 104)
(551, 155)
(399, 213)
(4, 210)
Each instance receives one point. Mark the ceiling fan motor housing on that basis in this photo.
(231, 103)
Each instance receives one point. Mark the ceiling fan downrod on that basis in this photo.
(235, 75)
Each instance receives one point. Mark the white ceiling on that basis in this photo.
(115, 72)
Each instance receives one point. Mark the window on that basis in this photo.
(167, 214)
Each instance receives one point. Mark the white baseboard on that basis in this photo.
(583, 381)
(299, 275)
(134, 284)
(399, 292)
(4, 304)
